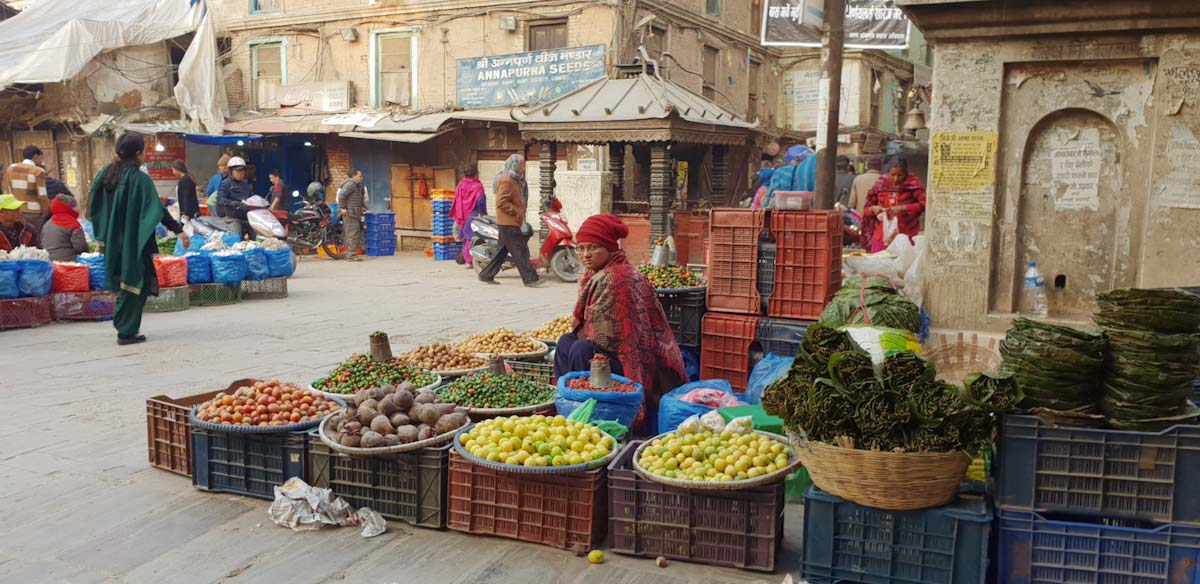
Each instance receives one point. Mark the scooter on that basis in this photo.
(558, 253)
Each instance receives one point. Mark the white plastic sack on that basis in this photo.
(302, 507)
(263, 221)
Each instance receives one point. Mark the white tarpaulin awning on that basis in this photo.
(51, 42)
(407, 137)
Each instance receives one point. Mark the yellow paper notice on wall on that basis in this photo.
(963, 161)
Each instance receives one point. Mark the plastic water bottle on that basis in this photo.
(1035, 291)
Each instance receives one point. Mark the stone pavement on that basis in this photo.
(79, 502)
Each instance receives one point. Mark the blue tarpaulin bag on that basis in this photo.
(36, 277)
(610, 405)
(228, 269)
(279, 262)
(691, 363)
(97, 273)
(230, 239)
(199, 269)
(672, 410)
(256, 264)
(197, 242)
(771, 369)
(9, 273)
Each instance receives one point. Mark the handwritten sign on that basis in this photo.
(1181, 188)
(964, 161)
(527, 78)
(1076, 171)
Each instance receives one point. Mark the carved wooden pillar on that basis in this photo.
(547, 155)
(662, 190)
(616, 166)
(720, 176)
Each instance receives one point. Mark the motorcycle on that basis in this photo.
(851, 226)
(558, 254)
(311, 226)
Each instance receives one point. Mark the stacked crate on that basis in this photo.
(444, 246)
(730, 326)
(381, 234)
(1097, 505)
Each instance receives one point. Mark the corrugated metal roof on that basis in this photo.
(406, 137)
(433, 122)
(630, 99)
(306, 124)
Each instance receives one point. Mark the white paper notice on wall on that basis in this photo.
(1181, 189)
(1075, 167)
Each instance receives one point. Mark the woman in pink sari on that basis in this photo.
(469, 203)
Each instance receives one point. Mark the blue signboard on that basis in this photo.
(526, 78)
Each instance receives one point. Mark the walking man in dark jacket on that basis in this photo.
(352, 202)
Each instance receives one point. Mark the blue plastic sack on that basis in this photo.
(230, 239)
(691, 363)
(610, 405)
(197, 242)
(97, 273)
(772, 368)
(672, 411)
(256, 264)
(9, 273)
(199, 269)
(36, 277)
(279, 262)
(89, 231)
(228, 269)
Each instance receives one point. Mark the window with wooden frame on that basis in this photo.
(265, 6)
(710, 59)
(876, 98)
(756, 17)
(270, 71)
(394, 78)
(755, 89)
(547, 35)
(656, 44)
(712, 7)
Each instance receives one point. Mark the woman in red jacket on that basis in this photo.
(896, 195)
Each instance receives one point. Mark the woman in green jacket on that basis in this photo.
(125, 209)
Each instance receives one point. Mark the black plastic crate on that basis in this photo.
(244, 463)
(767, 251)
(782, 337)
(408, 487)
(685, 313)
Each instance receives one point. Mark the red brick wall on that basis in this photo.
(338, 155)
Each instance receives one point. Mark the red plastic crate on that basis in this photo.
(808, 262)
(95, 305)
(563, 511)
(739, 529)
(733, 260)
(725, 348)
(169, 428)
(29, 312)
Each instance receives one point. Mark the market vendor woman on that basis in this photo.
(618, 315)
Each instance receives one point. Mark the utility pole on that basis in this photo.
(832, 41)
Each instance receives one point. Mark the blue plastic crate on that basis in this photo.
(374, 218)
(442, 206)
(381, 237)
(381, 228)
(1151, 476)
(381, 252)
(1033, 549)
(847, 542)
(442, 256)
(244, 463)
(383, 245)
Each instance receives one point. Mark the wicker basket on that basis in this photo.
(214, 294)
(169, 300)
(270, 289)
(29, 312)
(956, 358)
(897, 481)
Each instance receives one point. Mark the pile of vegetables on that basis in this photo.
(835, 391)
(501, 341)
(360, 372)
(266, 403)
(552, 329)
(585, 384)
(391, 416)
(166, 245)
(442, 357)
(1154, 354)
(487, 391)
(1057, 367)
(537, 441)
(670, 276)
(876, 298)
(714, 457)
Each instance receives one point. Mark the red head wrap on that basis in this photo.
(603, 230)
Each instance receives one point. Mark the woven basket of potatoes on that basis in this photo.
(506, 344)
(390, 420)
(445, 360)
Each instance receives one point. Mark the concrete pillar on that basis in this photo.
(662, 190)
(547, 155)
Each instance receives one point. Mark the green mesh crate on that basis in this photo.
(169, 300)
(270, 289)
(214, 294)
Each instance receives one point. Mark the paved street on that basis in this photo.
(79, 503)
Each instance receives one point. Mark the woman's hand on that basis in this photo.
(877, 210)
(187, 241)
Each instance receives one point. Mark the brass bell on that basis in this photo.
(914, 120)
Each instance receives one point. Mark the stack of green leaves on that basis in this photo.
(1058, 368)
(1154, 357)
(875, 298)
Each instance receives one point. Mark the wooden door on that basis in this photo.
(43, 139)
(411, 187)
